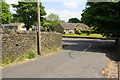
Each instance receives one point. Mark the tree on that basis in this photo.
(78, 31)
(27, 12)
(6, 14)
(52, 21)
(74, 20)
(105, 17)
(53, 17)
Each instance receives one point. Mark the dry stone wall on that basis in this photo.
(17, 44)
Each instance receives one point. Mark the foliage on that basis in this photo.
(52, 21)
(6, 14)
(23, 58)
(88, 32)
(92, 30)
(18, 58)
(105, 17)
(85, 35)
(78, 31)
(53, 17)
(70, 32)
(0, 12)
(8, 60)
(74, 20)
(27, 12)
(31, 55)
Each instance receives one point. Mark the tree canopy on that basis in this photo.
(104, 16)
(52, 21)
(74, 20)
(27, 12)
(53, 17)
(6, 14)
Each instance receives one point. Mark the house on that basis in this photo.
(34, 28)
(67, 28)
(14, 26)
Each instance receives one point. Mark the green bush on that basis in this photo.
(31, 55)
(85, 31)
(16, 58)
(33, 29)
(6, 61)
(22, 58)
(70, 32)
(78, 32)
(88, 33)
(9, 60)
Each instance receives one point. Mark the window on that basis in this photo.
(67, 29)
(10, 27)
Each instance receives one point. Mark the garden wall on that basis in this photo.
(18, 44)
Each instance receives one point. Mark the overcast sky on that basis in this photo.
(66, 9)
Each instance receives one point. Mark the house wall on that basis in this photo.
(6, 27)
(20, 27)
(68, 31)
(18, 44)
(59, 29)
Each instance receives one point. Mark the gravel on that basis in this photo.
(113, 69)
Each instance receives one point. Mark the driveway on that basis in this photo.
(83, 58)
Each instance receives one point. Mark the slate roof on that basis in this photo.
(81, 26)
(40, 27)
(68, 25)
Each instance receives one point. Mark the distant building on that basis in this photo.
(14, 26)
(34, 28)
(67, 28)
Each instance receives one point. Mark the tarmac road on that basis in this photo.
(83, 58)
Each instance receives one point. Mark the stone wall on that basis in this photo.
(17, 44)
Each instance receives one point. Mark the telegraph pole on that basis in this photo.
(39, 30)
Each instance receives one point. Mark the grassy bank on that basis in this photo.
(85, 35)
(18, 58)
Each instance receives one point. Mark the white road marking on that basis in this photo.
(90, 45)
(87, 48)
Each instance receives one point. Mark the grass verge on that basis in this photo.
(16, 59)
(84, 35)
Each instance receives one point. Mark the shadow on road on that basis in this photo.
(106, 47)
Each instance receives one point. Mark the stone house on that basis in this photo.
(14, 26)
(67, 28)
(34, 28)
